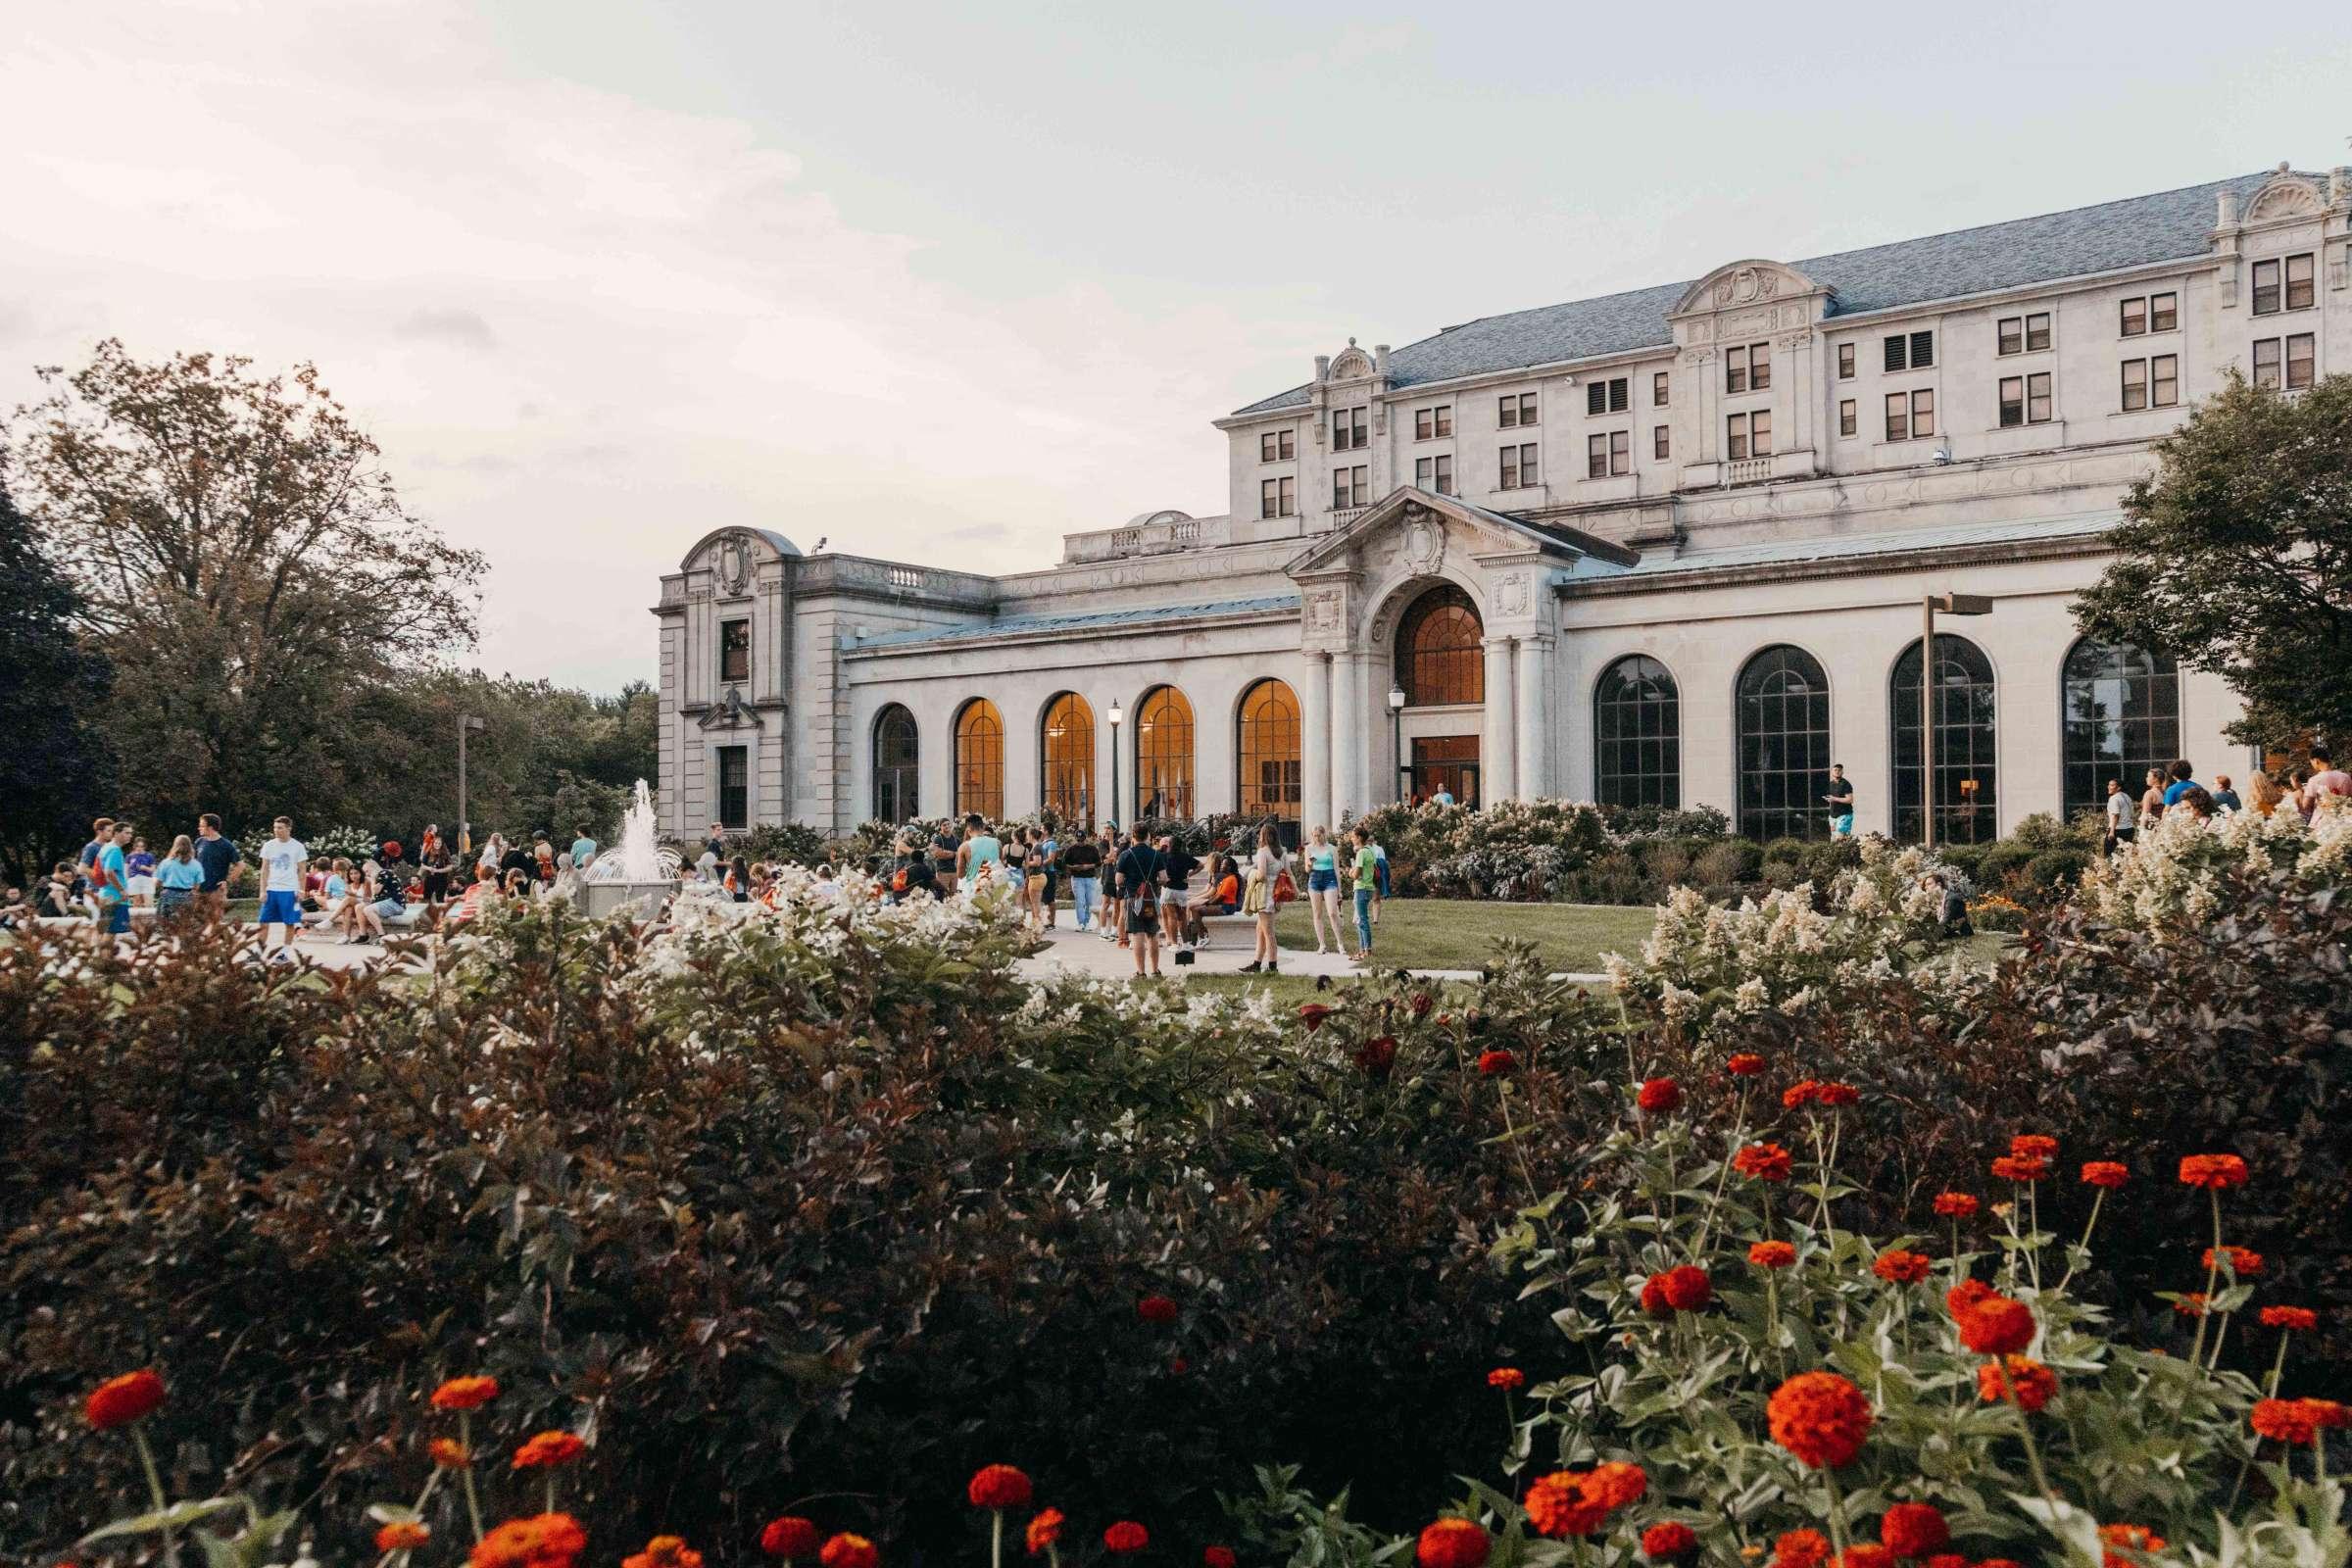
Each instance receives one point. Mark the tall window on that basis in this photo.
(1605, 454)
(1066, 757)
(1845, 361)
(1747, 367)
(1350, 487)
(1278, 498)
(1966, 811)
(980, 760)
(1435, 473)
(734, 787)
(1277, 446)
(2298, 279)
(1636, 735)
(1515, 409)
(2122, 718)
(1163, 754)
(1910, 415)
(1784, 716)
(1269, 751)
(1348, 432)
(894, 758)
(734, 650)
(1439, 652)
(2026, 399)
(1430, 424)
(1747, 435)
(1519, 466)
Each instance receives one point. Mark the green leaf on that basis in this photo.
(177, 1516)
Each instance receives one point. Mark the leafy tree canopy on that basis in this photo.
(2236, 556)
(56, 767)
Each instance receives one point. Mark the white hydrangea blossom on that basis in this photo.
(2171, 875)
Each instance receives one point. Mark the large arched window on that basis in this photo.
(1783, 715)
(1066, 753)
(1636, 735)
(1439, 653)
(2122, 716)
(1268, 749)
(895, 756)
(1966, 809)
(1163, 754)
(980, 760)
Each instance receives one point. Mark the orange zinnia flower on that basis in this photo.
(2289, 1317)
(1764, 1162)
(1497, 1064)
(2021, 1168)
(1565, 1505)
(544, 1540)
(1043, 1532)
(1913, 1530)
(549, 1450)
(2034, 1146)
(120, 1401)
(2243, 1262)
(998, 1486)
(1800, 1093)
(1618, 1483)
(1659, 1095)
(1506, 1378)
(1451, 1544)
(2105, 1173)
(2130, 1538)
(402, 1535)
(2296, 1421)
(1745, 1064)
(465, 1393)
(1669, 1540)
(2030, 1382)
(1772, 1254)
(1955, 1205)
(1800, 1548)
(788, 1536)
(664, 1552)
(1821, 1418)
(1998, 1325)
(2214, 1171)
(1125, 1538)
(1967, 1294)
(1835, 1095)
(1898, 1267)
(846, 1550)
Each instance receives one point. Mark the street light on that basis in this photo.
(1396, 732)
(1116, 715)
(1952, 605)
(466, 723)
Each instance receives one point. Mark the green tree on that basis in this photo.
(56, 767)
(2236, 556)
(244, 559)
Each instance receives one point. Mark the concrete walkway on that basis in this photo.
(1069, 951)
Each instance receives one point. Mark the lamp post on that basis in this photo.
(466, 723)
(1396, 733)
(1952, 605)
(1116, 715)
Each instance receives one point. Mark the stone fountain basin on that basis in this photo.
(601, 901)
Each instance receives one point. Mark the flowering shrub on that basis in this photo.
(2172, 875)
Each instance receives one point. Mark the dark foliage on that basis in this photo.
(57, 769)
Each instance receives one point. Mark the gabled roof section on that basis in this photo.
(1553, 538)
(2170, 226)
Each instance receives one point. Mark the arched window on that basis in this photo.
(1636, 735)
(980, 760)
(1966, 809)
(1268, 748)
(1439, 653)
(2122, 716)
(1163, 754)
(895, 755)
(1784, 715)
(1066, 753)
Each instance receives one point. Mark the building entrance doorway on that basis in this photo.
(1446, 762)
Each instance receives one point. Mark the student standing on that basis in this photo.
(1323, 887)
(2223, 796)
(1258, 900)
(110, 883)
(981, 855)
(1139, 872)
(283, 857)
(2121, 830)
(1082, 864)
(219, 857)
(2151, 800)
(1176, 871)
(2327, 782)
(583, 849)
(1841, 796)
(1367, 883)
(178, 882)
(2183, 778)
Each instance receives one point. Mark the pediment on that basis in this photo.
(1351, 364)
(728, 713)
(1421, 522)
(736, 552)
(2285, 196)
(1749, 282)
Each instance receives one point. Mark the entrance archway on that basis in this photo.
(1440, 667)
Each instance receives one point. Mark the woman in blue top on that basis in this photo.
(981, 853)
(1323, 887)
(177, 876)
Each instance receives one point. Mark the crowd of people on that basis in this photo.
(2304, 790)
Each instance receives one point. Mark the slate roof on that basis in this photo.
(2170, 226)
(1847, 547)
(1099, 620)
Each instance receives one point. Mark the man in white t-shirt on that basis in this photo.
(2123, 817)
(282, 859)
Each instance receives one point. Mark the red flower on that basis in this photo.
(548, 1449)
(2244, 1264)
(1998, 1325)
(1043, 1531)
(543, 1540)
(1765, 1162)
(2289, 1317)
(1866, 1554)
(1218, 1557)
(1312, 1015)
(1955, 1205)
(1618, 1483)
(2295, 1422)
(1772, 1254)
(1506, 1378)
(2130, 1538)
(120, 1401)
(2034, 1146)
(1898, 1267)
(1421, 1004)
(1800, 1093)
(1913, 1530)
(2021, 1168)
(2105, 1173)
(1155, 1309)
(1800, 1548)
(1451, 1544)
(2192, 1305)
(449, 1453)
(788, 1536)
(1670, 1541)
(1821, 1418)
(1566, 1504)
(1833, 1094)
(1126, 1537)
(664, 1552)
(1659, 1095)
(402, 1535)
(2214, 1171)
(998, 1485)
(1377, 1055)
(465, 1393)
(1682, 1289)
(1967, 1294)
(1745, 1064)
(1497, 1064)
(2030, 1383)
(846, 1550)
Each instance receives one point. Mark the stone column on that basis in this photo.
(1346, 735)
(1314, 742)
(1497, 765)
(1534, 717)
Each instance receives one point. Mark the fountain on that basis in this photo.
(634, 874)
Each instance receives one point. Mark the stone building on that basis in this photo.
(1663, 547)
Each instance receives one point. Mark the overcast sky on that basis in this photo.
(944, 282)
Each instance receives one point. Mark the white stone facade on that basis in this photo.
(2025, 343)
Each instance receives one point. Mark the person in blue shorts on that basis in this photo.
(283, 857)
(1840, 799)
(110, 882)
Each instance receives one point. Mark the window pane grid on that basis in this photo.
(1784, 736)
(895, 756)
(1163, 754)
(1066, 758)
(1442, 643)
(1966, 808)
(980, 760)
(2122, 718)
(1269, 750)
(1636, 735)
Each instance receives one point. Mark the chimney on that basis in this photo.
(1322, 368)
(1380, 361)
(2336, 179)
(2226, 214)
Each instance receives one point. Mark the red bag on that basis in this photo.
(1285, 891)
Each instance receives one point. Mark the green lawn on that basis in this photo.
(1461, 933)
